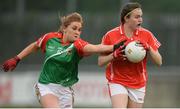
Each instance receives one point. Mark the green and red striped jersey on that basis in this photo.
(61, 59)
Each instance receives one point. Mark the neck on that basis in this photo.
(64, 38)
(128, 31)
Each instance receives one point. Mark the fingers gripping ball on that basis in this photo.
(134, 52)
(119, 44)
(118, 53)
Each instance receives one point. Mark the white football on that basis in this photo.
(134, 52)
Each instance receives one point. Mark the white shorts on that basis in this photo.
(65, 94)
(136, 95)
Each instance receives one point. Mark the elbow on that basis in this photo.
(159, 63)
(100, 64)
(158, 60)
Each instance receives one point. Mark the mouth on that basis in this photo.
(76, 36)
(138, 24)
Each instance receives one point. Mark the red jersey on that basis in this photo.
(133, 75)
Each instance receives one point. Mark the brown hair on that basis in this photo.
(67, 20)
(127, 9)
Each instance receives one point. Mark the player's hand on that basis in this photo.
(119, 53)
(10, 64)
(145, 45)
(119, 44)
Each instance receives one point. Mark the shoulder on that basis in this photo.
(106, 39)
(151, 39)
(112, 31)
(145, 31)
(52, 34)
(41, 42)
(80, 42)
(79, 45)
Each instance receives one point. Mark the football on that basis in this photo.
(134, 52)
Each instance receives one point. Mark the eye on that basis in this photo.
(138, 16)
(74, 28)
(80, 29)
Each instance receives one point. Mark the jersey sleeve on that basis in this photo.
(153, 42)
(41, 42)
(79, 45)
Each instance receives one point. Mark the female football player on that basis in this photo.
(127, 80)
(63, 50)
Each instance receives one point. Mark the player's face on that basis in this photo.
(73, 31)
(135, 20)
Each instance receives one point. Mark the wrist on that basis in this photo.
(115, 47)
(114, 55)
(17, 58)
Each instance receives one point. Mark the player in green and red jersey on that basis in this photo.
(127, 81)
(63, 50)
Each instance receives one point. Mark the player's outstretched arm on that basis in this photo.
(118, 52)
(28, 50)
(91, 49)
(11, 63)
(104, 59)
(101, 48)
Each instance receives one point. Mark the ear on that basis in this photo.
(126, 18)
(64, 30)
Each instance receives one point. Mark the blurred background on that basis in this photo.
(24, 21)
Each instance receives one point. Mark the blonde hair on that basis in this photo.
(67, 20)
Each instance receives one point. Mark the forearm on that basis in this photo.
(105, 59)
(98, 48)
(28, 50)
(155, 55)
(104, 48)
(10, 64)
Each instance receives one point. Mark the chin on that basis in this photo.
(73, 40)
(138, 27)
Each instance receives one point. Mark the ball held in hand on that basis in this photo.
(135, 52)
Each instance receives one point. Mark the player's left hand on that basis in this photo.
(145, 45)
(10, 64)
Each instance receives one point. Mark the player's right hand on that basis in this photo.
(10, 64)
(119, 44)
(119, 53)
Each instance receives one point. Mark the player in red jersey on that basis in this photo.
(126, 80)
(63, 50)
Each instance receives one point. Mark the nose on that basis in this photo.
(77, 32)
(140, 19)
